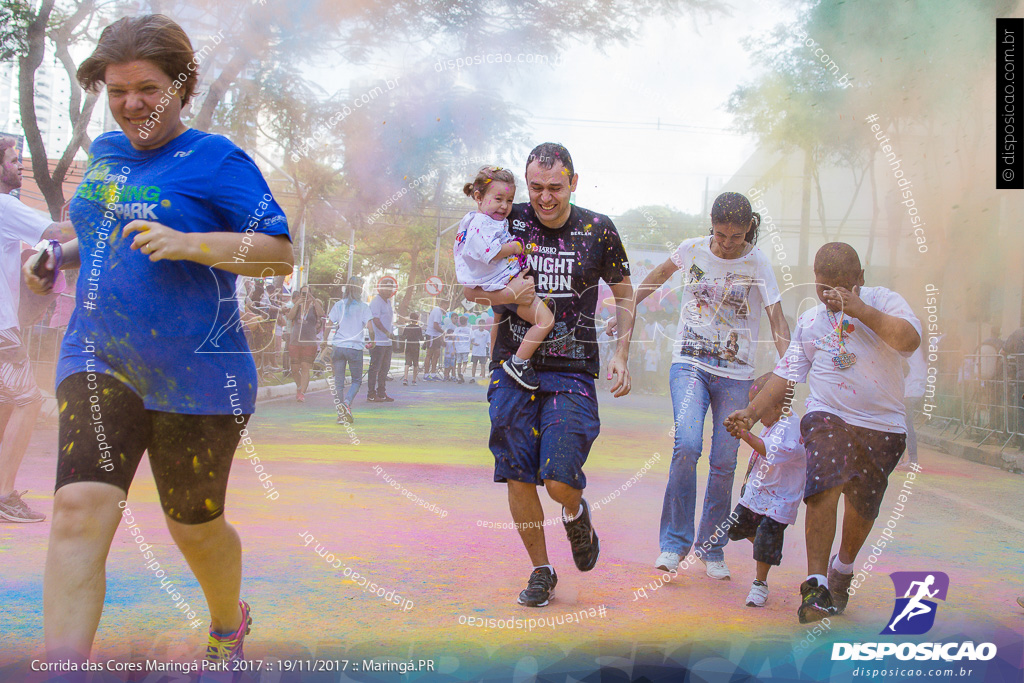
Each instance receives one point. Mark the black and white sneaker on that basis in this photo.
(816, 602)
(522, 372)
(345, 414)
(539, 589)
(582, 538)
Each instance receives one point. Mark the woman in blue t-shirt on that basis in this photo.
(154, 358)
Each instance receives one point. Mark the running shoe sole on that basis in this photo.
(517, 379)
(551, 594)
(21, 520)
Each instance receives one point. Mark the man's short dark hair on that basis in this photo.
(837, 262)
(547, 153)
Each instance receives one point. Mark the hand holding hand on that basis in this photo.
(739, 422)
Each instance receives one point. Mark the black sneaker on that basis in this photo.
(539, 589)
(345, 414)
(523, 374)
(371, 398)
(817, 602)
(582, 538)
(385, 399)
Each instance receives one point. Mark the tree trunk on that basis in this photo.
(53, 191)
(805, 214)
(228, 75)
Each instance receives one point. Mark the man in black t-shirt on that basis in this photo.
(544, 436)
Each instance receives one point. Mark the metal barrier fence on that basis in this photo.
(980, 397)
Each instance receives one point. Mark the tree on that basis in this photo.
(925, 70)
(792, 108)
(658, 226)
(63, 27)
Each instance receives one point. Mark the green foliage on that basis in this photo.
(15, 16)
(657, 226)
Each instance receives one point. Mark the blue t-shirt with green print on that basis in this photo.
(169, 330)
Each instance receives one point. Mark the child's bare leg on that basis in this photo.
(761, 573)
(541, 320)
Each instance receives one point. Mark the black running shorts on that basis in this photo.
(105, 428)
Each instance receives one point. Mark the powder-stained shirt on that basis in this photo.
(169, 330)
(776, 483)
(567, 264)
(477, 242)
(870, 392)
(722, 300)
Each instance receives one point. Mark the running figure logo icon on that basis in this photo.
(914, 613)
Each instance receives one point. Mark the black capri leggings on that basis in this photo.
(105, 428)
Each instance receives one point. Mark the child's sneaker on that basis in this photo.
(758, 594)
(227, 647)
(522, 372)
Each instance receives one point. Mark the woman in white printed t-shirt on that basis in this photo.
(727, 281)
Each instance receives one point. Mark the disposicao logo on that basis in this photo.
(914, 613)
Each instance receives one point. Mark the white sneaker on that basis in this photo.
(758, 595)
(717, 569)
(666, 562)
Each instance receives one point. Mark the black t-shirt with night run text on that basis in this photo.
(566, 264)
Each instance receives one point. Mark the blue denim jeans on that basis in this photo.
(694, 390)
(354, 358)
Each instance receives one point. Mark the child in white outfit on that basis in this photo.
(487, 256)
(772, 490)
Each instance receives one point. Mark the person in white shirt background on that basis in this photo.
(348, 319)
(20, 398)
(381, 325)
(481, 348)
(913, 400)
(463, 345)
(435, 343)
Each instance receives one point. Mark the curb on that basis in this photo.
(1009, 459)
(48, 413)
(264, 394)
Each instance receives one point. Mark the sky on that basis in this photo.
(606, 107)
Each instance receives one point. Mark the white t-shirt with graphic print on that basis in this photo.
(722, 301)
(867, 394)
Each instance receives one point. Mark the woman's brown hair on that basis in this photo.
(487, 175)
(150, 37)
